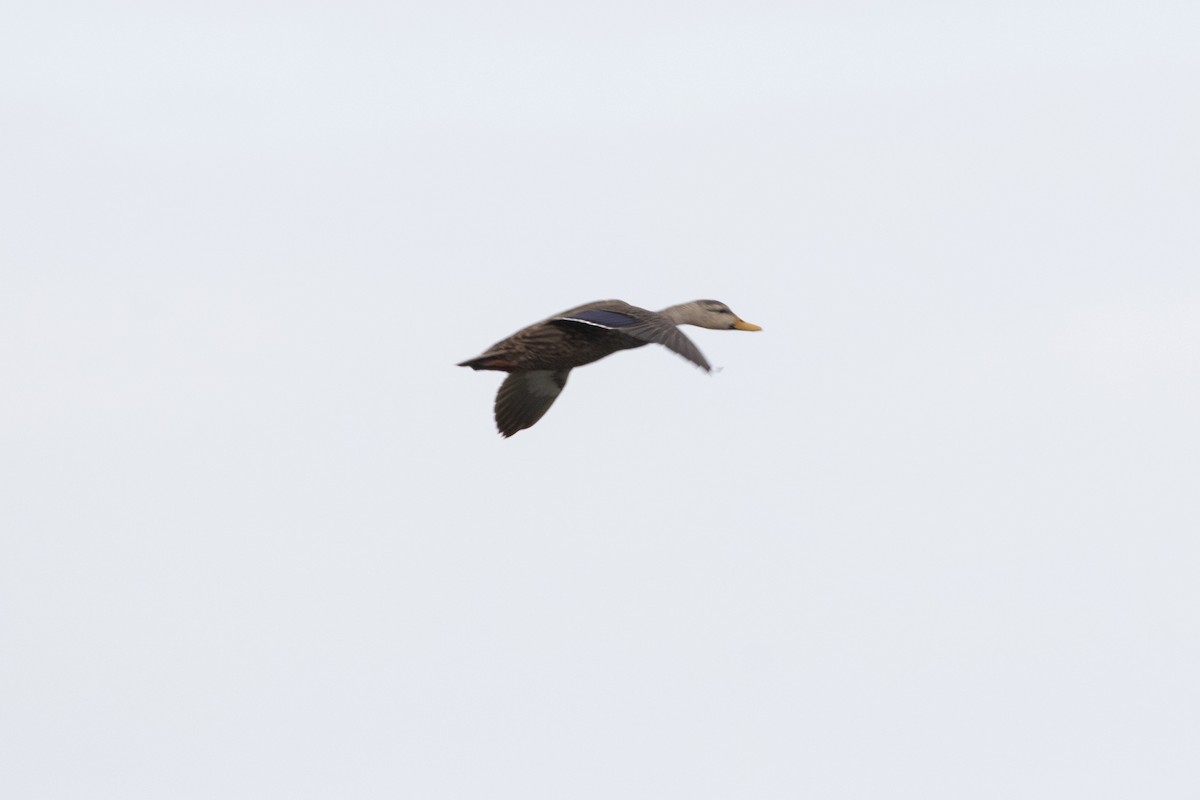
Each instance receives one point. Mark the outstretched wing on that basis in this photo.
(525, 397)
(639, 323)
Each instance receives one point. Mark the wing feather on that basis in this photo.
(525, 397)
(638, 323)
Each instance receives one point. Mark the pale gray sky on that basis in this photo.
(931, 534)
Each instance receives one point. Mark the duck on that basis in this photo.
(539, 358)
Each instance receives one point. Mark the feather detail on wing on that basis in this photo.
(637, 323)
(525, 397)
(663, 332)
(601, 318)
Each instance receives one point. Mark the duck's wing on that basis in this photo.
(647, 326)
(525, 397)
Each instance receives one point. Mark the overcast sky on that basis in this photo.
(931, 534)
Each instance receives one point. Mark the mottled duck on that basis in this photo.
(539, 358)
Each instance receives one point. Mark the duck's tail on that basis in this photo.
(485, 361)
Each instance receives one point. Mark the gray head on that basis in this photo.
(707, 314)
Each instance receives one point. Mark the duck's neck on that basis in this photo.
(682, 314)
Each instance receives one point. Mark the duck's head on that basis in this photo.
(708, 314)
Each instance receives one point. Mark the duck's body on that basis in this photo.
(539, 358)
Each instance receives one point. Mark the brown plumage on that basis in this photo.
(539, 358)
